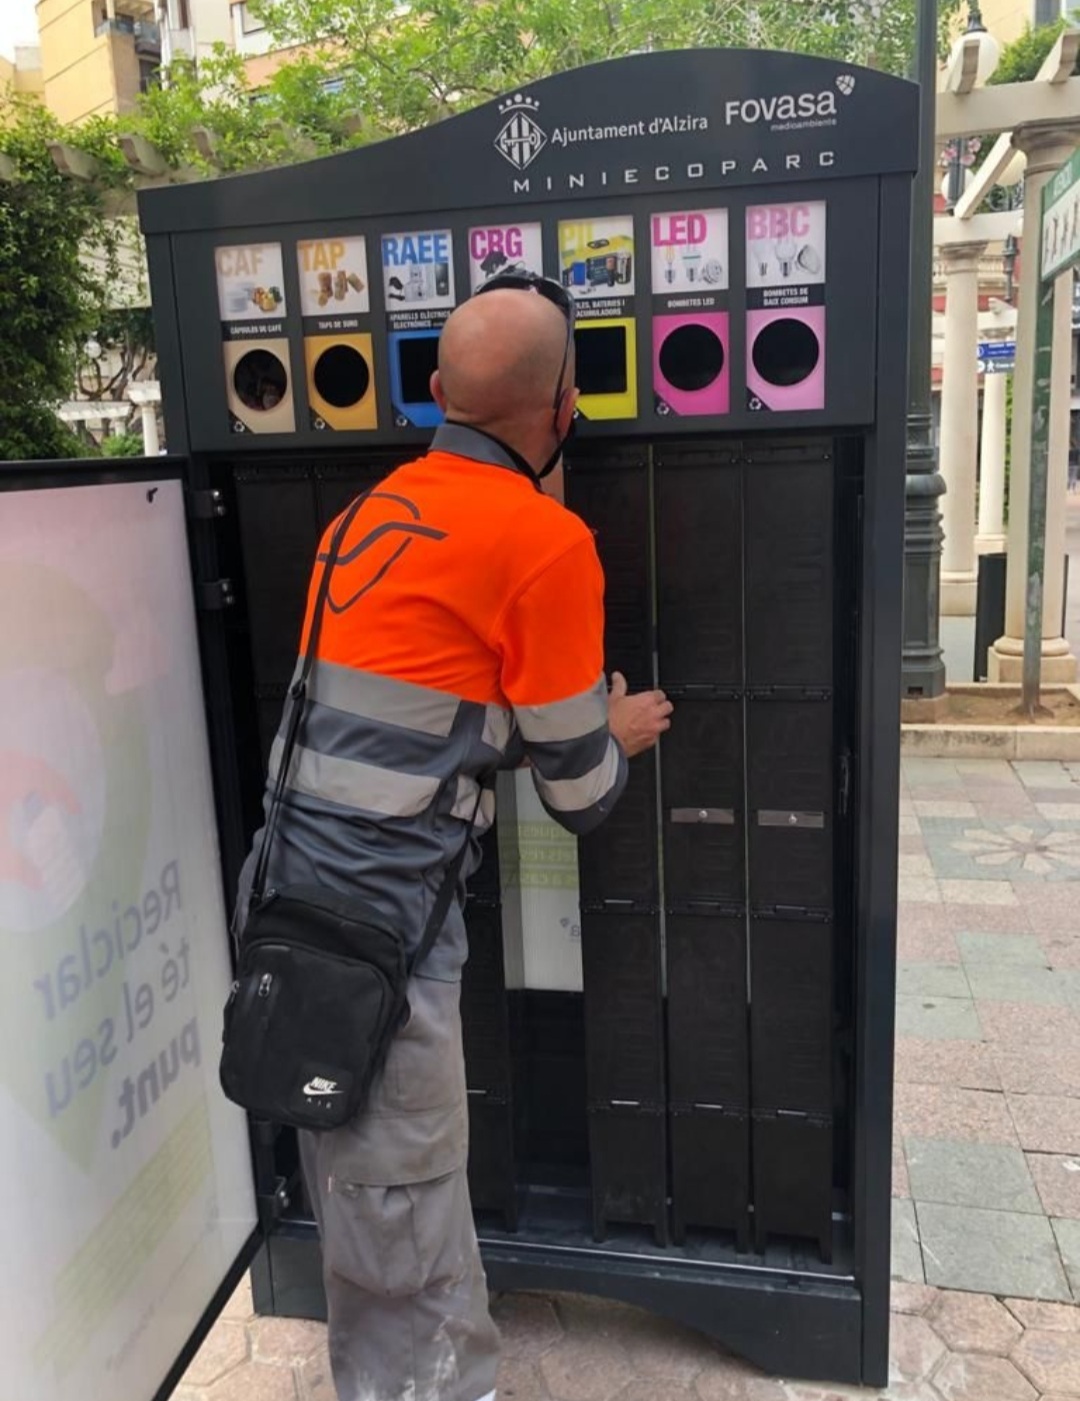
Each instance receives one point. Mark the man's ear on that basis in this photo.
(437, 392)
(565, 415)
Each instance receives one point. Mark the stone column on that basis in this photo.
(959, 426)
(1046, 148)
(991, 536)
(151, 444)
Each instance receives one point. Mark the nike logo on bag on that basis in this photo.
(319, 1086)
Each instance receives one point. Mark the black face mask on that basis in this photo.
(560, 443)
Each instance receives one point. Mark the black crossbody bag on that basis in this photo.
(321, 981)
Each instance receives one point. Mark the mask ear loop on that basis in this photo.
(561, 392)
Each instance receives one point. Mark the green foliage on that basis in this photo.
(122, 445)
(49, 300)
(1021, 60)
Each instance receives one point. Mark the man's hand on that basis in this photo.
(637, 722)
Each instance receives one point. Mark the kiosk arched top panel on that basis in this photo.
(690, 119)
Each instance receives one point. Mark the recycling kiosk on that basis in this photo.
(678, 1030)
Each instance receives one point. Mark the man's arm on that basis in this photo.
(551, 640)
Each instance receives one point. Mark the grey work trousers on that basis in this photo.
(405, 1288)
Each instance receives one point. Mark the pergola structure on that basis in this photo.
(1038, 123)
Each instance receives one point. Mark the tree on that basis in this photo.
(411, 65)
(49, 299)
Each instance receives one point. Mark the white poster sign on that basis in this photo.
(251, 281)
(127, 1175)
(333, 276)
(689, 250)
(495, 249)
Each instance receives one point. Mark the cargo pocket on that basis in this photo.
(396, 1242)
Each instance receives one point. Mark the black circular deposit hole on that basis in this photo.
(260, 380)
(786, 352)
(691, 357)
(342, 376)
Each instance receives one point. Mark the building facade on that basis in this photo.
(96, 55)
(21, 76)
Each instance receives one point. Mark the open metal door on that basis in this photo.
(131, 1204)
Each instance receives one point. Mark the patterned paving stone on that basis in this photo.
(931, 1017)
(240, 1305)
(944, 807)
(1028, 1071)
(1046, 1123)
(914, 863)
(990, 1252)
(1001, 950)
(974, 1323)
(316, 1381)
(1068, 1239)
(914, 1348)
(1042, 773)
(1034, 1313)
(1019, 983)
(575, 1369)
(901, 1186)
(922, 939)
(969, 1378)
(1051, 1360)
(962, 1064)
(226, 1347)
(258, 1381)
(1050, 908)
(907, 1260)
(285, 1339)
(1019, 1027)
(978, 892)
(662, 1351)
(940, 1111)
(932, 980)
(919, 890)
(1057, 1181)
(528, 1323)
(990, 1175)
(912, 1298)
(520, 1380)
(733, 1381)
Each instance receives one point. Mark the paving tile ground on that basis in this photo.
(986, 1167)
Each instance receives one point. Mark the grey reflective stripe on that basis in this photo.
(565, 719)
(465, 803)
(384, 699)
(498, 725)
(354, 784)
(576, 794)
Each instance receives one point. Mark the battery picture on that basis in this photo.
(596, 263)
(504, 248)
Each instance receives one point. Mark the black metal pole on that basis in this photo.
(923, 672)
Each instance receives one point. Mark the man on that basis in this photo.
(463, 632)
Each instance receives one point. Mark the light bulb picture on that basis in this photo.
(669, 258)
(786, 253)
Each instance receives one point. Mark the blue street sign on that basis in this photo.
(997, 350)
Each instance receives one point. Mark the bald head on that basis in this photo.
(499, 361)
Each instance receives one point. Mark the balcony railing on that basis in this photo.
(147, 35)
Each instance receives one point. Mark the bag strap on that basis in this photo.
(298, 698)
(441, 907)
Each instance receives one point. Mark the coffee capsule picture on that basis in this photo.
(341, 381)
(691, 374)
(786, 358)
(258, 389)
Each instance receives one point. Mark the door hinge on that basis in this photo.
(214, 594)
(844, 796)
(206, 504)
(801, 913)
(273, 1205)
(617, 907)
(716, 909)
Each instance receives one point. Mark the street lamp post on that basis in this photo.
(923, 671)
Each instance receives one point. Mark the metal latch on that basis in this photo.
(206, 505)
(215, 594)
(715, 817)
(273, 1205)
(777, 817)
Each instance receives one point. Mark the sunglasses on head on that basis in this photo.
(553, 292)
